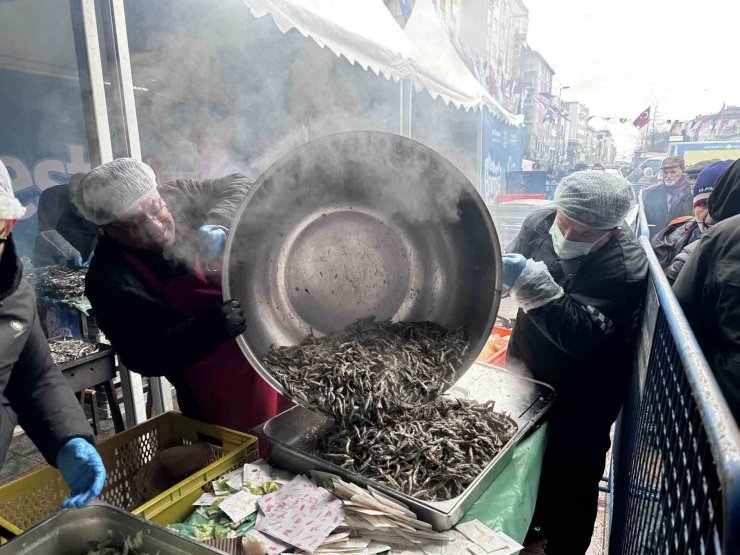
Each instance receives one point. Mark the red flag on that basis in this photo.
(675, 128)
(643, 119)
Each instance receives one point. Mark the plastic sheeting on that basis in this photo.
(365, 33)
(508, 504)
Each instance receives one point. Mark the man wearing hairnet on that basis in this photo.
(579, 276)
(34, 392)
(155, 287)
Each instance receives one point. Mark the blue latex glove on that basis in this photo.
(211, 242)
(77, 262)
(514, 265)
(83, 470)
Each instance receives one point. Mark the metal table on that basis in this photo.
(96, 369)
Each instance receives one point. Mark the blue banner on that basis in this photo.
(502, 153)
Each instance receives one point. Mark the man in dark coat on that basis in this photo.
(708, 287)
(34, 392)
(674, 245)
(154, 284)
(670, 199)
(579, 277)
(57, 213)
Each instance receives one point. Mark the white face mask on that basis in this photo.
(566, 249)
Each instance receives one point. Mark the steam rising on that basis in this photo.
(222, 92)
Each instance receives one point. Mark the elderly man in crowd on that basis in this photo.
(578, 275)
(670, 199)
(675, 243)
(154, 284)
(34, 392)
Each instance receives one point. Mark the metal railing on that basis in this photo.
(677, 460)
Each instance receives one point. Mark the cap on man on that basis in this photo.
(670, 199)
(578, 275)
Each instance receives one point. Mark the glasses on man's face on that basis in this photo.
(153, 216)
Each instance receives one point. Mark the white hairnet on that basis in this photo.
(109, 191)
(597, 199)
(10, 207)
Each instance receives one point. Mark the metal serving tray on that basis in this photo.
(71, 531)
(292, 435)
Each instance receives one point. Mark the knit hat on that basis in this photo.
(109, 191)
(10, 208)
(596, 199)
(707, 178)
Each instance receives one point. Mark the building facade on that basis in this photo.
(541, 114)
(578, 133)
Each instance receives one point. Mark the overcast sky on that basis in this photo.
(620, 57)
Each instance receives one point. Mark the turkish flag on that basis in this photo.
(642, 119)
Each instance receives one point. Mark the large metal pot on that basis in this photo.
(358, 224)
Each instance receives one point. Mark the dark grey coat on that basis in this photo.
(662, 208)
(34, 392)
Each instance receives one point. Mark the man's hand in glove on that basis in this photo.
(513, 266)
(211, 242)
(83, 470)
(227, 319)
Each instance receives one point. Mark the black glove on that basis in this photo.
(226, 320)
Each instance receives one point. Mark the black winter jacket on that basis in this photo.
(34, 392)
(708, 287)
(671, 241)
(582, 343)
(680, 260)
(662, 208)
(150, 336)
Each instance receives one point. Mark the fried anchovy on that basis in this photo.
(67, 350)
(381, 384)
(57, 282)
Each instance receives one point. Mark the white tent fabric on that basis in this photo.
(355, 29)
(364, 32)
(443, 72)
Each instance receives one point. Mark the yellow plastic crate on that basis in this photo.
(28, 500)
(175, 504)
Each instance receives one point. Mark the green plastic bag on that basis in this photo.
(508, 504)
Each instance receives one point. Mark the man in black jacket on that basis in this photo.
(56, 213)
(579, 277)
(154, 285)
(670, 199)
(34, 392)
(708, 287)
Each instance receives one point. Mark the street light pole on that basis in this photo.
(560, 129)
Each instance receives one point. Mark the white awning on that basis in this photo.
(355, 29)
(365, 33)
(441, 71)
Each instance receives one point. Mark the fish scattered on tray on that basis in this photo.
(57, 282)
(67, 350)
(381, 383)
